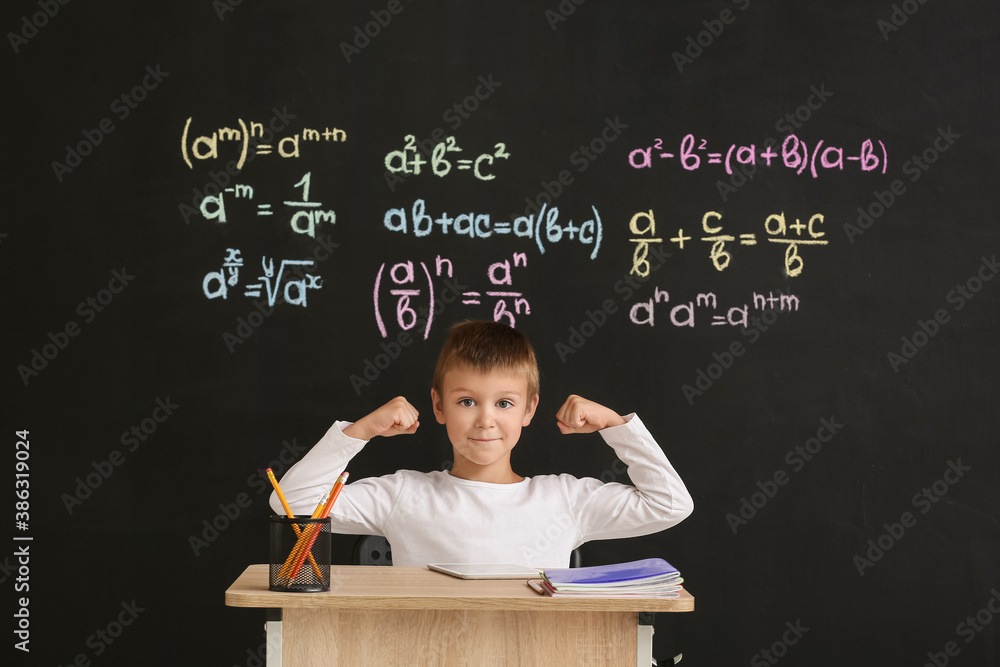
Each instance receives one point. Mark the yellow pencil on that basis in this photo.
(281, 496)
(295, 526)
(303, 539)
(313, 532)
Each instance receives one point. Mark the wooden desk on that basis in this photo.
(414, 616)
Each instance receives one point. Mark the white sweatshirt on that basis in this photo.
(437, 518)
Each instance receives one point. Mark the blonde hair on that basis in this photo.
(485, 346)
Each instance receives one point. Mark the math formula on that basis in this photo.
(255, 137)
(543, 228)
(289, 283)
(706, 305)
(306, 215)
(409, 160)
(776, 228)
(796, 154)
(405, 293)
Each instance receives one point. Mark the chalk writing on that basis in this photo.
(688, 313)
(796, 154)
(291, 286)
(776, 226)
(244, 138)
(542, 228)
(402, 285)
(409, 159)
(304, 220)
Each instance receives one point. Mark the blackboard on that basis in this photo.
(766, 227)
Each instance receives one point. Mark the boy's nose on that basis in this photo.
(485, 418)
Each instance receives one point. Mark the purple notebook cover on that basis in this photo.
(606, 574)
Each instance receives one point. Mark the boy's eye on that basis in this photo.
(466, 402)
(504, 403)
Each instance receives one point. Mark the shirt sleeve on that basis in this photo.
(658, 500)
(363, 505)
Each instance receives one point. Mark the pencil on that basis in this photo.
(281, 496)
(294, 560)
(334, 493)
(316, 529)
(303, 538)
(295, 526)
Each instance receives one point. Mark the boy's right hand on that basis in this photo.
(395, 417)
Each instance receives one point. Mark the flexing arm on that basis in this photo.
(658, 499)
(306, 484)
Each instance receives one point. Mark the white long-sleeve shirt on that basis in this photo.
(434, 517)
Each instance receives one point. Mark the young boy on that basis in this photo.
(485, 390)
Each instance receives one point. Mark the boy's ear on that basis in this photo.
(438, 406)
(529, 412)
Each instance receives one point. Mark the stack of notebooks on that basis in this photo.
(652, 577)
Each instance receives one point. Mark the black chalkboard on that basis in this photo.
(766, 227)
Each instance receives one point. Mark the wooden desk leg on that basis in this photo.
(272, 638)
(644, 646)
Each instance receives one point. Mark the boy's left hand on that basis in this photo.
(578, 415)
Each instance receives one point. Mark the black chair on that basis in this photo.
(372, 550)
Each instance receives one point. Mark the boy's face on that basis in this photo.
(484, 414)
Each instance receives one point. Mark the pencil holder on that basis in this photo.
(299, 555)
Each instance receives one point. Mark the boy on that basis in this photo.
(485, 390)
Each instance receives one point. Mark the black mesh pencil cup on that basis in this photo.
(299, 555)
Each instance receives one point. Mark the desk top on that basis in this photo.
(371, 587)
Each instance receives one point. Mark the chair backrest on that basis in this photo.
(372, 550)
